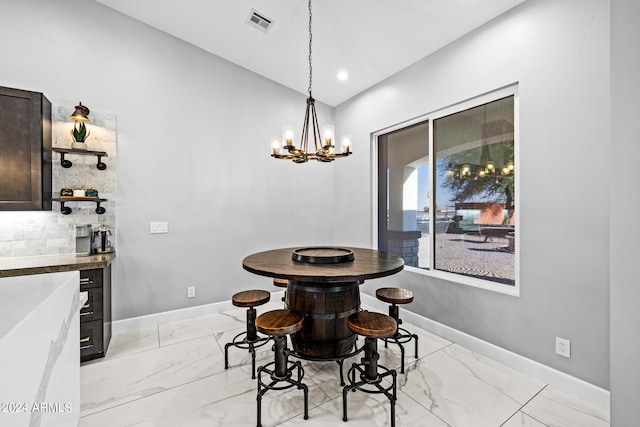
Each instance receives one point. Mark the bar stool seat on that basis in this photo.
(282, 283)
(395, 296)
(278, 324)
(251, 298)
(372, 326)
(249, 339)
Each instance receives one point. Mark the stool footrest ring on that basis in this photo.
(244, 343)
(367, 386)
(287, 378)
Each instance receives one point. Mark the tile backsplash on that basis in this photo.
(48, 233)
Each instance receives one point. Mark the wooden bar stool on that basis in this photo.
(282, 283)
(396, 296)
(248, 340)
(372, 326)
(278, 324)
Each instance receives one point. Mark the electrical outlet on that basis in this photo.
(563, 347)
(191, 292)
(160, 227)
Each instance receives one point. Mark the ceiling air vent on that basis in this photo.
(259, 21)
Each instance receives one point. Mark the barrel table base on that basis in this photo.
(326, 307)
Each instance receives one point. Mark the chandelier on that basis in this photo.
(323, 143)
(486, 168)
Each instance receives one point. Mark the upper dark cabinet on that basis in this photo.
(25, 150)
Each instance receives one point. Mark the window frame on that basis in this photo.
(510, 90)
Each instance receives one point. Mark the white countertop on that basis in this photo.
(21, 295)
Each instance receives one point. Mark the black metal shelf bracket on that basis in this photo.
(101, 166)
(64, 162)
(66, 210)
(67, 163)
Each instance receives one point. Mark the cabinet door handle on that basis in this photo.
(82, 340)
(86, 306)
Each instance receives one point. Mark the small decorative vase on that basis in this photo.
(79, 145)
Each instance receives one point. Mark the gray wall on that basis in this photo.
(624, 203)
(559, 54)
(193, 149)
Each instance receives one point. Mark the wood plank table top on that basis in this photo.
(367, 264)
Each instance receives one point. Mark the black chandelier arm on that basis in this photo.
(316, 127)
(320, 156)
(304, 139)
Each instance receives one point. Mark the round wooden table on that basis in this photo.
(326, 294)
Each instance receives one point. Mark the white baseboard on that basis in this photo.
(576, 387)
(136, 323)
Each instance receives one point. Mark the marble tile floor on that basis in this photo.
(173, 375)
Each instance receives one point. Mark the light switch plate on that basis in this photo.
(158, 227)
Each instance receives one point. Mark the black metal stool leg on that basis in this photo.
(345, 391)
(250, 341)
(226, 355)
(340, 363)
(402, 336)
(368, 369)
(252, 350)
(259, 400)
(282, 372)
(393, 401)
(305, 390)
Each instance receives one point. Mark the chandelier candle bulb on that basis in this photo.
(275, 145)
(346, 144)
(328, 132)
(287, 136)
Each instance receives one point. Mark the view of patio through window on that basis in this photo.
(455, 212)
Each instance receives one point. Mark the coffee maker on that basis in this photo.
(100, 239)
(83, 239)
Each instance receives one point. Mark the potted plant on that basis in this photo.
(80, 133)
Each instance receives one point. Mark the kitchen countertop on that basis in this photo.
(39, 354)
(24, 266)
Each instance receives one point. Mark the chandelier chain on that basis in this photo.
(310, 39)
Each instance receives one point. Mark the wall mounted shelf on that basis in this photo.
(67, 163)
(66, 210)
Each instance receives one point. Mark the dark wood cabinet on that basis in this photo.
(25, 150)
(95, 315)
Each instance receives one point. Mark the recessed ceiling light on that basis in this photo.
(342, 75)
